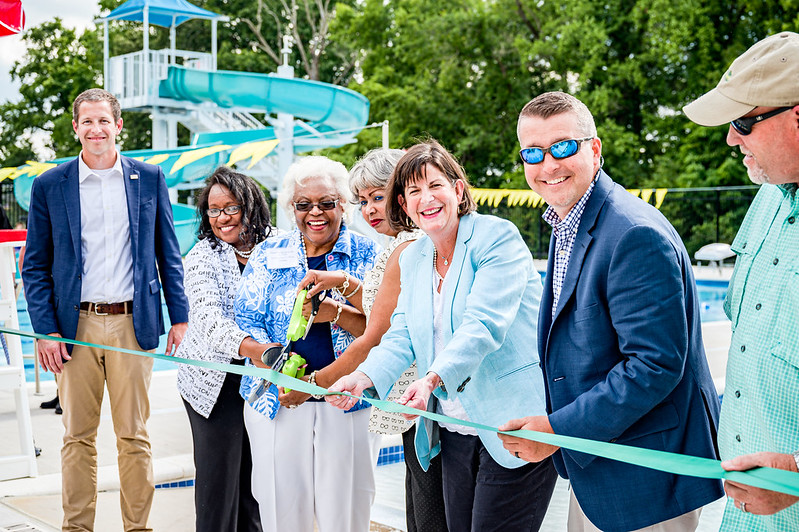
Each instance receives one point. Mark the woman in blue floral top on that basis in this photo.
(311, 462)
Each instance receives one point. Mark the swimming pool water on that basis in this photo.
(711, 299)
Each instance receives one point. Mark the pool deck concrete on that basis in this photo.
(34, 504)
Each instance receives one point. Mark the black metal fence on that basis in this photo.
(16, 214)
(700, 215)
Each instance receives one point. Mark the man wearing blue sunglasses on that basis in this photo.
(759, 97)
(619, 335)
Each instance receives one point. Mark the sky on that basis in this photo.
(74, 14)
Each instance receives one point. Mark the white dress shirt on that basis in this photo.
(105, 235)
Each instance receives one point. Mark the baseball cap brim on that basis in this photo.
(715, 109)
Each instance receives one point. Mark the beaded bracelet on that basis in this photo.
(338, 313)
(312, 380)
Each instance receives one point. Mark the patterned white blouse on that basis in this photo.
(211, 282)
(388, 422)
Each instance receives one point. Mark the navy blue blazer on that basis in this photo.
(623, 361)
(53, 264)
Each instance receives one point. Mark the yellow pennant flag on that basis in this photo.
(256, 150)
(33, 168)
(195, 155)
(7, 172)
(158, 159)
(660, 193)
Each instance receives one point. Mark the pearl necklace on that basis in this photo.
(304, 253)
(243, 254)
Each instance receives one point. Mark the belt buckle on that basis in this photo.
(97, 312)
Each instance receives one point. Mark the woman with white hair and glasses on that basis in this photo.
(310, 462)
(377, 297)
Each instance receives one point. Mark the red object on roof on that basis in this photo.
(12, 17)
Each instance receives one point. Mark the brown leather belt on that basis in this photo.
(103, 309)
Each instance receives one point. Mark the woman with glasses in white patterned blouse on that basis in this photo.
(234, 218)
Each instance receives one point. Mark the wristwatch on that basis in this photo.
(796, 458)
(312, 380)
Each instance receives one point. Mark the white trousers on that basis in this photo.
(313, 461)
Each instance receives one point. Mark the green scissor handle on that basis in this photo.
(298, 323)
(294, 367)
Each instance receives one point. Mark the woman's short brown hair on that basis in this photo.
(411, 168)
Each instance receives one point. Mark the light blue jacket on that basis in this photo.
(490, 357)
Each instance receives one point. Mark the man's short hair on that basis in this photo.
(97, 95)
(553, 103)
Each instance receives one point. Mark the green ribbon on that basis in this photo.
(762, 477)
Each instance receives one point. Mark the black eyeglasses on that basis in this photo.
(305, 206)
(744, 125)
(230, 210)
(559, 150)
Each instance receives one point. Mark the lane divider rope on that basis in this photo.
(763, 477)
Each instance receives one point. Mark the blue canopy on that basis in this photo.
(166, 13)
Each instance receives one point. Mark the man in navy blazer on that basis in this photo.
(100, 234)
(619, 334)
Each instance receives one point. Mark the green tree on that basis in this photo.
(447, 70)
(59, 63)
(460, 72)
(56, 67)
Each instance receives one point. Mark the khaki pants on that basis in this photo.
(578, 522)
(81, 388)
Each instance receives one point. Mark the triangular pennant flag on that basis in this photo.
(189, 157)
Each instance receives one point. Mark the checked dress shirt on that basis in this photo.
(760, 411)
(565, 232)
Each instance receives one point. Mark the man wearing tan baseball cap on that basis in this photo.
(759, 97)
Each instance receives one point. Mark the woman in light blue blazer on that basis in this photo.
(467, 313)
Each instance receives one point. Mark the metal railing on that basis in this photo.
(126, 73)
(700, 216)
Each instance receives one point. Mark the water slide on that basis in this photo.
(331, 116)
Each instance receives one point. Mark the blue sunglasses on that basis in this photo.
(559, 150)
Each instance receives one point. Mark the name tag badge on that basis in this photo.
(277, 258)
(134, 176)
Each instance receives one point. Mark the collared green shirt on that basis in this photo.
(760, 411)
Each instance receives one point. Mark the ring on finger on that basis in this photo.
(743, 507)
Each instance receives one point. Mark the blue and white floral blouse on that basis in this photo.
(267, 291)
